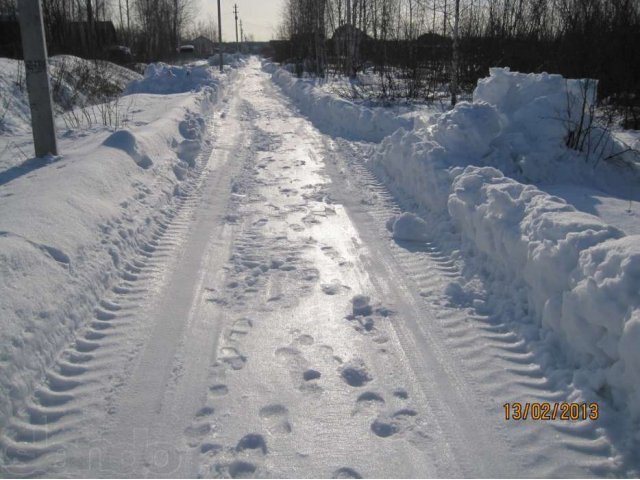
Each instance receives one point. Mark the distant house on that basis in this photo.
(204, 47)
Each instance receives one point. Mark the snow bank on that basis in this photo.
(234, 60)
(335, 115)
(160, 78)
(74, 82)
(538, 112)
(69, 226)
(600, 316)
(579, 274)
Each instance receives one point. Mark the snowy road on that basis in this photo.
(273, 328)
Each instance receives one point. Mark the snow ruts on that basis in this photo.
(498, 364)
(84, 371)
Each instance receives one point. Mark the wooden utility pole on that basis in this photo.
(241, 35)
(455, 58)
(220, 35)
(235, 10)
(349, 31)
(38, 87)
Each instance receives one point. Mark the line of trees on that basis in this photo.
(414, 40)
(151, 28)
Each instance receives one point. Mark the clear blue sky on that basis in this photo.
(259, 17)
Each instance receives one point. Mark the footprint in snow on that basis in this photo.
(370, 398)
(311, 374)
(355, 374)
(236, 469)
(210, 449)
(276, 418)
(369, 403)
(401, 393)
(252, 441)
(197, 431)
(361, 306)
(239, 329)
(333, 288)
(232, 357)
(304, 340)
(384, 429)
(218, 390)
(346, 472)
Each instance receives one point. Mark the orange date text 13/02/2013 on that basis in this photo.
(551, 411)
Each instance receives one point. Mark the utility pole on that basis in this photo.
(241, 34)
(35, 62)
(349, 41)
(455, 60)
(235, 10)
(220, 35)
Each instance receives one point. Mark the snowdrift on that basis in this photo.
(335, 115)
(68, 226)
(537, 113)
(580, 276)
(164, 79)
(234, 60)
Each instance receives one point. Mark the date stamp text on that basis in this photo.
(551, 411)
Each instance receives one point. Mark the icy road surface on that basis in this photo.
(275, 329)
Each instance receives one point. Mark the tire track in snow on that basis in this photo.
(511, 372)
(84, 382)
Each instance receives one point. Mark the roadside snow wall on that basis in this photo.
(163, 79)
(582, 277)
(335, 115)
(69, 229)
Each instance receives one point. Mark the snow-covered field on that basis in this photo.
(249, 276)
